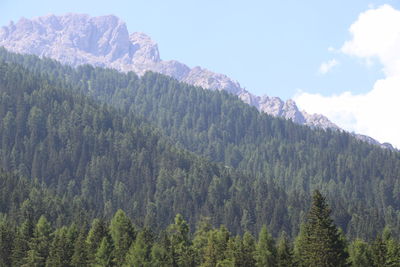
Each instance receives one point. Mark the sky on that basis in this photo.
(338, 58)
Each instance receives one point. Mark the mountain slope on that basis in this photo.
(104, 41)
(98, 161)
(283, 161)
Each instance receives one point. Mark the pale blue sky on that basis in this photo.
(270, 47)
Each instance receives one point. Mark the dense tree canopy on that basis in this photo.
(94, 141)
(101, 244)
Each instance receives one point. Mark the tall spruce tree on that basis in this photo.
(122, 233)
(96, 234)
(265, 254)
(284, 251)
(6, 243)
(21, 242)
(321, 245)
(80, 255)
(360, 254)
(182, 254)
(140, 251)
(40, 244)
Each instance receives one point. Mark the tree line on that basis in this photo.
(119, 242)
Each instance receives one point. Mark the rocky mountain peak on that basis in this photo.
(145, 49)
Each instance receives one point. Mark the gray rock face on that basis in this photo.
(104, 41)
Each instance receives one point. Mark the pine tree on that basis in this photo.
(321, 245)
(122, 233)
(233, 255)
(265, 254)
(379, 252)
(40, 243)
(360, 254)
(80, 256)
(200, 239)
(182, 253)
(139, 253)
(59, 251)
(284, 251)
(160, 256)
(6, 243)
(96, 234)
(215, 250)
(104, 256)
(393, 253)
(248, 249)
(21, 242)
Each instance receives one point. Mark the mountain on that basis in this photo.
(83, 143)
(114, 140)
(104, 41)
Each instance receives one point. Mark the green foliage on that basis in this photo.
(139, 254)
(23, 235)
(39, 245)
(60, 251)
(96, 234)
(6, 243)
(80, 255)
(122, 233)
(321, 244)
(86, 143)
(284, 252)
(182, 254)
(105, 253)
(215, 250)
(265, 254)
(360, 254)
(86, 134)
(174, 246)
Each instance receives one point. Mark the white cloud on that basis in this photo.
(374, 36)
(327, 66)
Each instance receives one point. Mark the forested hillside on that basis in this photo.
(90, 133)
(92, 157)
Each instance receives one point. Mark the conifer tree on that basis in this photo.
(21, 242)
(360, 254)
(321, 245)
(233, 255)
(40, 243)
(59, 250)
(182, 253)
(248, 249)
(105, 254)
(6, 243)
(284, 251)
(393, 253)
(139, 253)
(200, 239)
(379, 252)
(96, 234)
(80, 256)
(265, 254)
(160, 252)
(122, 233)
(215, 250)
